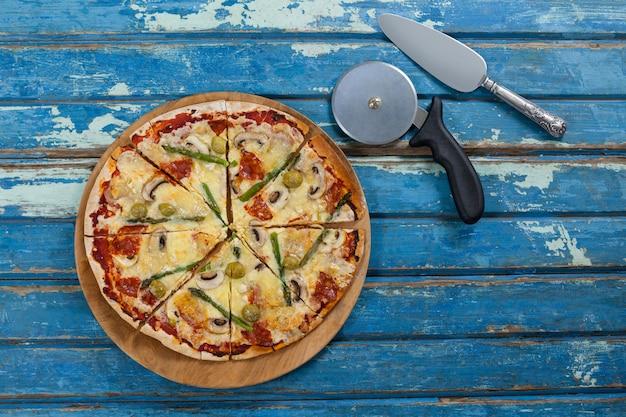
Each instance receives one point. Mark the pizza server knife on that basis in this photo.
(459, 66)
(376, 103)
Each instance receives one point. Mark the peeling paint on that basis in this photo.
(102, 129)
(119, 89)
(317, 49)
(562, 245)
(283, 15)
(44, 192)
(584, 363)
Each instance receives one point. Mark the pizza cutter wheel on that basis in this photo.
(376, 103)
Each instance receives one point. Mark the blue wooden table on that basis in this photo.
(521, 313)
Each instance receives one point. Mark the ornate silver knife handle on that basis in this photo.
(552, 124)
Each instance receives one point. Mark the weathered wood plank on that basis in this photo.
(347, 370)
(395, 307)
(421, 246)
(576, 19)
(607, 405)
(497, 245)
(393, 186)
(297, 69)
(480, 126)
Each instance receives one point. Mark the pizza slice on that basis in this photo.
(195, 321)
(262, 143)
(190, 145)
(317, 264)
(130, 195)
(314, 189)
(270, 317)
(135, 272)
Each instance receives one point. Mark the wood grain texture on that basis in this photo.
(97, 72)
(521, 313)
(493, 18)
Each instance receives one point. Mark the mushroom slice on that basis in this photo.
(218, 325)
(234, 184)
(257, 236)
(147, 192)
(297, 287)
(158, 241)
(277, 197)
(126, 261)
(210, 279)
(250, 140)
(318, 187)
(332, 239)
(195, 144)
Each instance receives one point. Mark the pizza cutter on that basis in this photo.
(375, 103)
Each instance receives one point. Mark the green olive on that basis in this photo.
(291, 262)
(292, 179)
(139, 211)
(251, 313)
(167, 209)
(157, 288)
(235, 270)
(218, 144)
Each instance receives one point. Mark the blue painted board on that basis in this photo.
(481, 126)
(394, 187)
(577, 19)
(347, 370)
(286, 68)
(401, 246)
(388, 308)
(609, 405)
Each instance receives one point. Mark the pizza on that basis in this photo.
(225, 230)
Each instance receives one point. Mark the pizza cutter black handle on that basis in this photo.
(465, 185)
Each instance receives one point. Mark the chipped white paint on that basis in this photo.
(433, 24)
(558, 241)
(523, 176)
(119, 89)
(398, 165)
(323, 90)
(44, 191)
(65, 133)
(584, 361)
(282, 15)
(135, 108)
(496, 134)
(317, 49)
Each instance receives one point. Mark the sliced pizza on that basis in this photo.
(262, 143)
(317, 264)
(223, 230)
(314, 189)
(131, 195)
(195, 320)
(135, 272)
(190, 145)
(270, 316)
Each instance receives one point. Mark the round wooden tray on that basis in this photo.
(151, 353)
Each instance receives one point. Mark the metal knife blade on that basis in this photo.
(458, 66)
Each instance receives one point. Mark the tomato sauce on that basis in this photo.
(126, 245)
(325, 290)
(179, 169)
(250, 167)
(259, 209)
(259, 336)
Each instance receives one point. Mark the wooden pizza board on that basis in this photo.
(156, 357)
